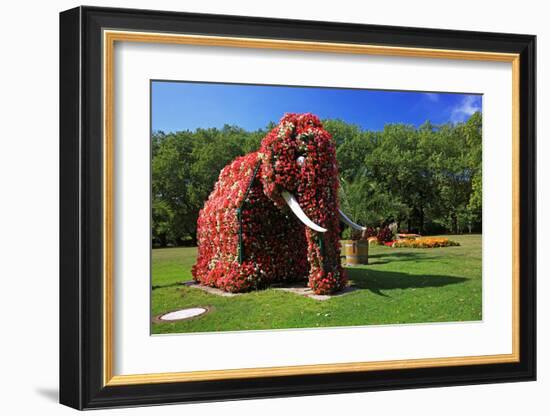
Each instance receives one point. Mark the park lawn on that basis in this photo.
(399, 286)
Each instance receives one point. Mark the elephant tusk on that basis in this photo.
(297, 210)
(349, 222)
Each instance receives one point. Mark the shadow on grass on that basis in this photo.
(376, 281)
(154, 287)
(404, 256)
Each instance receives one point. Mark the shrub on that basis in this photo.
(355, 235)
(385, 235)
(369, 232)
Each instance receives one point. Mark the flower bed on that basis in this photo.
(424, 242)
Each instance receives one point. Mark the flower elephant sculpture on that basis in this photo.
(273, 215)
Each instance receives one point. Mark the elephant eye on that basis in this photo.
(300, 160)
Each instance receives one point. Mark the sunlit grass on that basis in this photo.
(400, 285)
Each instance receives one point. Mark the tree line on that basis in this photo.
(428, 179)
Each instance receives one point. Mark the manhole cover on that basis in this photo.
(183, 314)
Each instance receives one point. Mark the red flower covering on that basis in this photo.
(248, 238)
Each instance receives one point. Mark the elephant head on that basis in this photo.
(299, 172)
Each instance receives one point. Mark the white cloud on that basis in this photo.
(468, 106)
(432, 96)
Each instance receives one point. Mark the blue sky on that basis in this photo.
(188, 106)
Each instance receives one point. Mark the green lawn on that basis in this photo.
(398, 286)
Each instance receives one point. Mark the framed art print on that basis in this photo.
(258, 207)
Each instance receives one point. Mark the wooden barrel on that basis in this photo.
(356, 251)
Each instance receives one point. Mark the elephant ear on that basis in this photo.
(268, 173)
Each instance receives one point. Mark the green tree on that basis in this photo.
(427, 178)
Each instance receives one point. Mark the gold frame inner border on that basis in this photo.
(110, 37)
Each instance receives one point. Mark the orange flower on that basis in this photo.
(424, 242)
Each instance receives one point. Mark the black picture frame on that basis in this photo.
(81, 199)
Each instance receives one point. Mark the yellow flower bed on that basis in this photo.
(424, 242)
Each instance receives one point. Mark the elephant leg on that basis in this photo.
(326, 274)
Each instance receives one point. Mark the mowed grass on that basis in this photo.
(399, 286)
